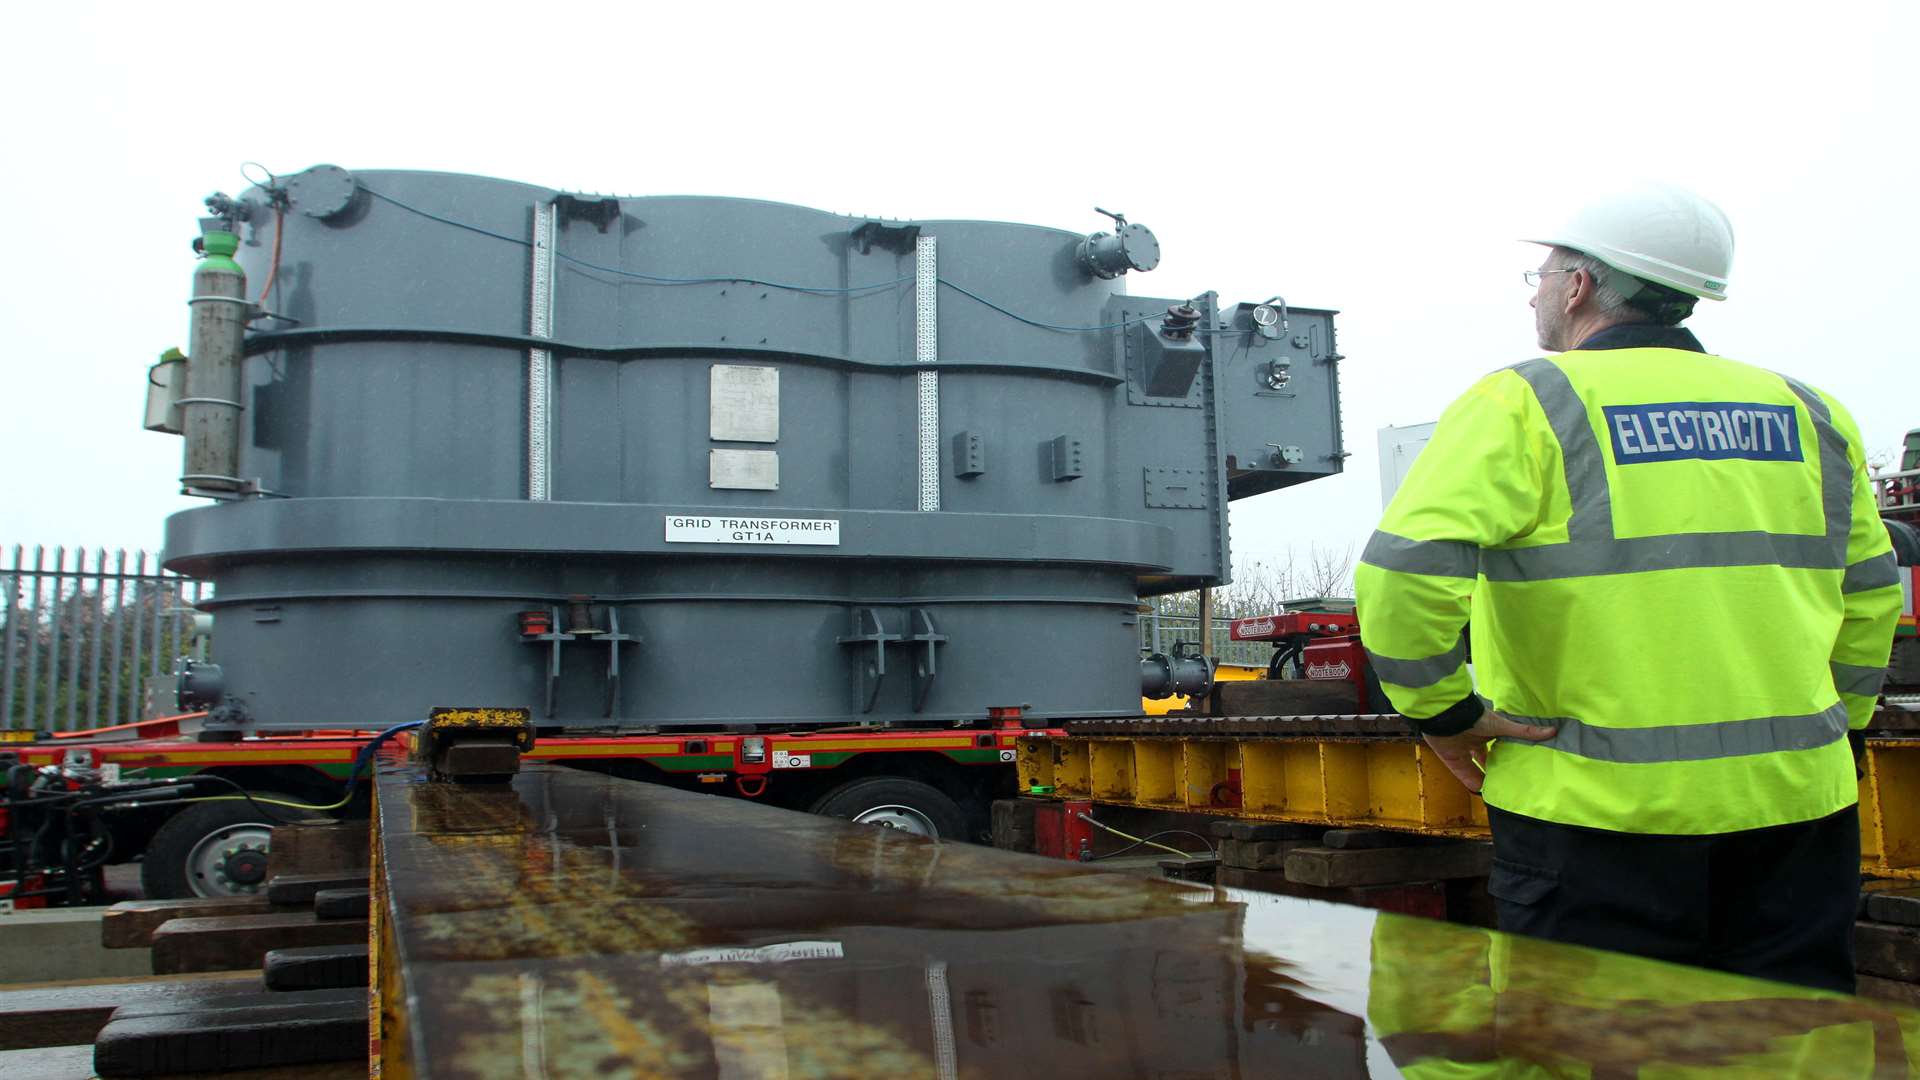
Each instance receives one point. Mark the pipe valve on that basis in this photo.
(1181, 673)
(1127, 247)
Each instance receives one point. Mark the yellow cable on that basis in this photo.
(270, 802)
(1129, 836)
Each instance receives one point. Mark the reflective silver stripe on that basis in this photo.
(1592, 549)
(1641, 554)
(1836, 472)
(1580, 453)
(1437, 558)
(1692, 742)
(1854, 679)
(1875, 573)
(1418, 673)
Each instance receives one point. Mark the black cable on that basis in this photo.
(247, 795)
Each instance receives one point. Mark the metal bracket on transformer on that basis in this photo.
(870, 638)
(611, 637)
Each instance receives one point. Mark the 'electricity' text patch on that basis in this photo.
(1707, 430)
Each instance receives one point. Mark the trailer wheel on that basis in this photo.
(893, 803)
(210, 849)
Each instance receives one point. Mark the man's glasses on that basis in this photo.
(1533, 276)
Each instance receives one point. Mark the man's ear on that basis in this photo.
(1579, 289)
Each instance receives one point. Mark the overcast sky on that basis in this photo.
(1375, 158)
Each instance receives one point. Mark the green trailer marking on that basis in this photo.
(693, 762)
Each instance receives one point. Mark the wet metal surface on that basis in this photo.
(574, 924)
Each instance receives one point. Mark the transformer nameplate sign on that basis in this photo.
(743, 404)
(716, 529)
(743, 470)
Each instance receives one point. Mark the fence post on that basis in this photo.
(118, 622)
(52, 713)
(73, 626)
(96, 621)
(7, 653)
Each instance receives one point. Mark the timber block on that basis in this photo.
(341, 903)
(1427, 899)
(1257, 831)
(1365, 839)
(318, 967)
(273, 1030)
(131, 923)
(1900, 993)
(1870, 886)
(243, 941)
(54, 1014)
(1890, 952)
(298, 890)
(1899, 906)
(1286, 697)
(334, 848)
(1258, 854)
(1331, 867)
(1013, 824)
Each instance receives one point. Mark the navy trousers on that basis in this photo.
(1778, 903)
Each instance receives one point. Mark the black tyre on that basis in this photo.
(890, 802)
(211, 849)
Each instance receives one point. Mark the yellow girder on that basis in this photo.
(1378, 783)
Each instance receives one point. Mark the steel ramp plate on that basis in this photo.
(573, 924)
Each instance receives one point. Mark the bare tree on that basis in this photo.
(1260, 586)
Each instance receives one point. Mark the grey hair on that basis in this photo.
(1625, 297)
(1607, 296)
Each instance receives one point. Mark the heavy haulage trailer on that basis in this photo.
(475, 443)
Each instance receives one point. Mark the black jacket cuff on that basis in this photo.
(1457, 718)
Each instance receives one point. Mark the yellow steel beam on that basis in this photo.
(1377, 782)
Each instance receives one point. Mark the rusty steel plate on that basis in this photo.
(573, 924)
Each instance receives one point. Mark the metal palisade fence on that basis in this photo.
(1166, 625)
(86, 631)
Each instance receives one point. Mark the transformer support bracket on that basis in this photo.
(926, 640)
(869, 640)
(612, 638)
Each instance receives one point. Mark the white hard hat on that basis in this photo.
(1655, 232)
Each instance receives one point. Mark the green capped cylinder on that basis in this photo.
(210, 409)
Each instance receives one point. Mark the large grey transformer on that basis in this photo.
(639, 463)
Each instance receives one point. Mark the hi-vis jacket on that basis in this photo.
(1673, 557)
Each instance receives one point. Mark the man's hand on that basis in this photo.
(1465, 754)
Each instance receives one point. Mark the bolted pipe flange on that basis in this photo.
(1128, 247)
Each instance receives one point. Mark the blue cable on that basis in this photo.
(826, 290)
(365, 756)
(1045, 325)
(652, 278)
